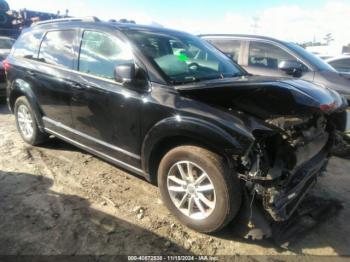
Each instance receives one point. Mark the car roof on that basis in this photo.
(61, 23)
(246, 36)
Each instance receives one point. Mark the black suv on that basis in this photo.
(168, 106)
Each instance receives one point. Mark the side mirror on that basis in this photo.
(130, 76)
(290, 67)
(124, 73)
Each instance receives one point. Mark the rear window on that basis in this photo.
(27, 46)
(57, 48)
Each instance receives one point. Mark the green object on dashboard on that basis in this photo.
(183, 57)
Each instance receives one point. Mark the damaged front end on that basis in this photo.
(294, 124)
(279, 171)
(284, 163)
(282, 166)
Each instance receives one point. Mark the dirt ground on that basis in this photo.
(56, 199)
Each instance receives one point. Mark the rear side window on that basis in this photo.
(267, 55)
(57, 48)
(228, 46)
(101, 53)
(27, 46)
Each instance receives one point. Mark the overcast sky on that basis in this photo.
(296, 20)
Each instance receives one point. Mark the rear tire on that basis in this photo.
(26, 123)
(199, 188)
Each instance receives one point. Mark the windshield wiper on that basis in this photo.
(184, 81)
(220, 76)
(208, 77)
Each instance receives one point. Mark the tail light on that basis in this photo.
(6, 65)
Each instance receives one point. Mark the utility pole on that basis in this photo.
(255, 24)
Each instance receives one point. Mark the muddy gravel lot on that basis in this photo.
(57, 199)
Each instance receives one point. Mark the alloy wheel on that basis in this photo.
(191, 190)
(25, 121)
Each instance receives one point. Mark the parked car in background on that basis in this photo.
(5, 48)
(271, 57)
(341, 64)
(168, 106)
(267, 56)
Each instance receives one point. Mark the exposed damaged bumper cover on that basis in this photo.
(281, 204)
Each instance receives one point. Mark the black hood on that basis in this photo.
(266, 97)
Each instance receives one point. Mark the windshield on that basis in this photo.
(311, 58)
(6, 43)
(183, 58)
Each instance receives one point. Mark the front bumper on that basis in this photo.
(281, 204)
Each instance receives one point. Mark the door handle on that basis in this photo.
(78, 86)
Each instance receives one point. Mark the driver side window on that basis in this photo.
(267, 55)
(101, 53)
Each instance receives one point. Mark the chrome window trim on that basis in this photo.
(65, 69)
(19, 59)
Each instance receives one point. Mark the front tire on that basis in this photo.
(199, 188)
(26, 123)
(342, 146)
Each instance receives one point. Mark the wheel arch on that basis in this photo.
(20, 88)
(171, 132)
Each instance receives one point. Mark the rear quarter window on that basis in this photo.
(27, 46)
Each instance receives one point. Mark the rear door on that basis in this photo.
(23, 58)
(54, 76)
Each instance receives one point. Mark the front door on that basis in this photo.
(106, 115)
(263, 59)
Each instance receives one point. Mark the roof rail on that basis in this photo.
(68, 19)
